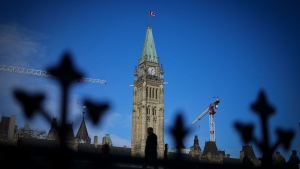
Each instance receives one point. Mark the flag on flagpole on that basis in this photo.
(151, 13)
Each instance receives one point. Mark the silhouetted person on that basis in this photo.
(105, 148)
(151, 149)
(294, 161)
(247, 163)
(279, 160)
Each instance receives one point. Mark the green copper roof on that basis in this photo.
(26, 128)
(107, 140)
(149, 51)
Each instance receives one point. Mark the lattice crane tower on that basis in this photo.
(44, 73)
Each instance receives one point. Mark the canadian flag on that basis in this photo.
(151, 13)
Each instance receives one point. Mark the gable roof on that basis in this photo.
(248, 150)
(54, 135)
(210, 146)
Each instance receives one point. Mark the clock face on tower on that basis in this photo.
(151, 70)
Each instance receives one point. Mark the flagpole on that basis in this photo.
(149, 17)
(149, 13)
(78, 106)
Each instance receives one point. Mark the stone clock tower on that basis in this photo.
(148, 99)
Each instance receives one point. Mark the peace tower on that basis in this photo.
(148, 99)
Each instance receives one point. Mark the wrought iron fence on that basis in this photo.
(61, 154)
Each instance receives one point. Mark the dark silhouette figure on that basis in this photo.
(279, 160)
(247, 163)
(105, 148)
(151, 149)
(294, 161)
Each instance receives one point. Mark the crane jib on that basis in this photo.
(211, 109)
(44, 73)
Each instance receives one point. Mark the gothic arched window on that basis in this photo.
(154, 111)
(152, 92)
(148, 110)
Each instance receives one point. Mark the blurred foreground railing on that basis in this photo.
(18, 156)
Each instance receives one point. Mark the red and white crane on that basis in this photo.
(211, 110)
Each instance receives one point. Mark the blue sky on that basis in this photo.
(231, 49)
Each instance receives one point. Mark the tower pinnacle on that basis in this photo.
(149, 50)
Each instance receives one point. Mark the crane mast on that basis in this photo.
(44, 73)
(211, 110)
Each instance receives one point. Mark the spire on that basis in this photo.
(82, 134)
(149, 51)
(196, 141)
(53, 134)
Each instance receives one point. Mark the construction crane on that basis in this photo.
(211, 110)
(44, 73)
(31, 133)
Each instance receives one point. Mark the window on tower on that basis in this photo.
(152, 92)
(154, 111)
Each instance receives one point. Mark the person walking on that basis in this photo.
(279, 161)
(294, 161)
(247, 163)
(105, 149)
(151, 149)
